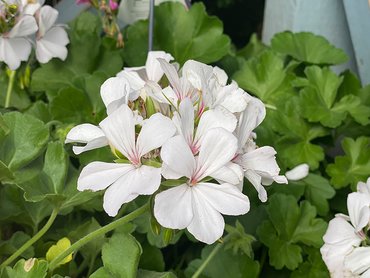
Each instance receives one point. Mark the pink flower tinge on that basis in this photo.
(113, 5)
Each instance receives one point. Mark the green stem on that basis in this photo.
(32, 240)
(10, 88)
(101, 231)
(206, 262)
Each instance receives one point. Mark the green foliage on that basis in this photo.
(288, 228)
(224, 264)
(308, 47)
(354, 166)
(310, 110)
(185, 34)
(120, 257)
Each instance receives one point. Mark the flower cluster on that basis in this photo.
(345, 252)
(187, 129)
(21, 20)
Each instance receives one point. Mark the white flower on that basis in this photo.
(297, 173)
(14, 45)
(125, 181)
(116, 91)
(364, 187)
(87, 134)
(342, 237)
(357, 263)
(149, 75)
(259, 164)
(51, 39)
(184, 120)
(31, 6)
(198, 205)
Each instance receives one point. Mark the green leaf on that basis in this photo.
(57, 249)
(152, 274)
(4, 129)
(239, 240)
(314, 267)
(253, 48)
(224, 264)
(50, 181)
(318, 191)
(320, 102)
(40, 110)
(152, 258)
(294, 142)
(263, 76)
(289, 226)
(308, 47)
(32, 268)
(92, 248)
(19, 238)
(121, 255)
(25, 141)
(354, 166)
(71, 106)
(185, 34)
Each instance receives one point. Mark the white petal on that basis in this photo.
(358, 261)
(207, 224)
(177, 155)
(358, 209)
(173, 207)
(340, 232)
(185, 120)
(144, 180)
(14, 50)
(197, 73)
(297, 173)
(220, 75)
(249, 120)
(119, 128)
(46, 19)
(25, 26)
(136, 82)
(52, 45)
(218, 117)
(218, 148)
(234, 99)
(231, 173)
(263, 162)
(172, 76)
(256, 181)
(117, 88)
(154, 133)
(333, 256)
(152, 65)
(89, 134)
(364, 187)
(225, 198)
(99, 175)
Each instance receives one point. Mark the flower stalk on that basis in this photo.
(101, 231)
(32, 240)
(10, 88)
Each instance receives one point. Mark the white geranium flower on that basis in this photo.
(146, 78)
(184, 121)
(116, 91)
(51, 39)
(342, 237)
(259, 164)
(364, 187)
(125, 181)
(15, 47)
(297, 173)
(198, 205)
(357, 263)
(87, 134)
(31, 6)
